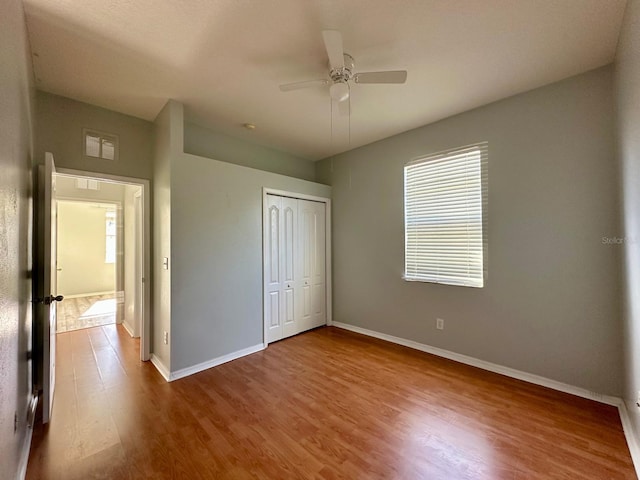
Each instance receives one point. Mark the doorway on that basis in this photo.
(103, 253)
(86, 191)
(88, 254)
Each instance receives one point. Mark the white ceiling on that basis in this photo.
(224, 59)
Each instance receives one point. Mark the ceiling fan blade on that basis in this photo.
(392, 76)
(333, 44)
(344, 107)
(287, 87)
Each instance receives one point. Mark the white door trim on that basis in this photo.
(301, 196)
(139, 236)
(145, 334)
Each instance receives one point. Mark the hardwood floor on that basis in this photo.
(327, 404)
(84, 312)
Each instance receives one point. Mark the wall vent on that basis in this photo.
(99, 144)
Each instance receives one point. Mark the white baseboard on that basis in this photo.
(627, 427)
(629, 433)
(492, 367)
(161, 367)
(90, 294)
(127, 328)
(185, 372)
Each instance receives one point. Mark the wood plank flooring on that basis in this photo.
(327, 404)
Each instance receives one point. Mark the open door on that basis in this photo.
(139, 269)
(47, 294)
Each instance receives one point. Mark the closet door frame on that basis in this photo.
(265, 212)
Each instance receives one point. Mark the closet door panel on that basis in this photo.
(289, 260)
(289, 211)
(306, 252)
(319, 316)
(273, 265)
(274, 312)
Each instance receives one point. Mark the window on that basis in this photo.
(110, 250)
(100, 145)
(443, 217)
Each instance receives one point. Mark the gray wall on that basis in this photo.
(206, 143)
(550, 305)
(81, 243)
(216, 245)
(16, 133)
(628, 108)
(164, 151)
(60, 121)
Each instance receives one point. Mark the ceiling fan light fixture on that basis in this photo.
(339, 91)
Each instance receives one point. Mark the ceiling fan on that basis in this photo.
(341, 72)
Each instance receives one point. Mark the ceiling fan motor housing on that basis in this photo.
(343, 74)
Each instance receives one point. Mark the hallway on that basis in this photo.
(96, 368)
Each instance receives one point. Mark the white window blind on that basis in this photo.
(443, 205)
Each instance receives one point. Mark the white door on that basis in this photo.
(273, 277)
(48, 292)
(138, 303)
(294, 266)
(318, 280)
(311, 240)
(306, 249)
(289, 260)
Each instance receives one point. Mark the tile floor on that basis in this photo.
(85, 312)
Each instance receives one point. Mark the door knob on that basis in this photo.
(48, 300)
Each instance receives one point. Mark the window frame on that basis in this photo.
(483, 149)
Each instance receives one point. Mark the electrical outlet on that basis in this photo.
(166, 338)
(439, 323)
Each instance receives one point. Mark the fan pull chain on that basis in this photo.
(331, 132)
(349, 144)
